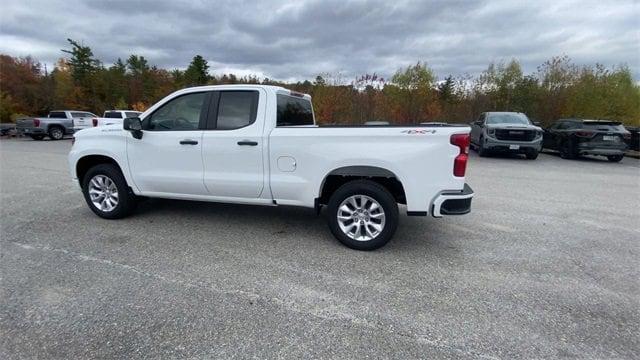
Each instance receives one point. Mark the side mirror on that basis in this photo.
(133, 124)
(479, 123)
(537, 123)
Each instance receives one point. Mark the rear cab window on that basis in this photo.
(132, 114)
(57, 115)
(294, 111)
(113, 115)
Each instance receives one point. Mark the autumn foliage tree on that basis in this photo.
(413, 94)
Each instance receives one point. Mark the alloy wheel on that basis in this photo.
(103, 193)
(361, 217)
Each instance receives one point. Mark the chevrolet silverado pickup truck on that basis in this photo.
(56, 125)
(506, 132)
(259, 144)
(114, 117)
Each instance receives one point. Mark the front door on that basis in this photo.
(168, 157)
(232, 146)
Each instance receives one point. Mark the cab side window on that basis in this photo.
(236, 109)
(179, 114)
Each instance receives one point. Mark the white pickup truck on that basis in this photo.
(114, 117)
(258, 144)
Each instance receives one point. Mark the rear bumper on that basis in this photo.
(604, 151)
(452, 202)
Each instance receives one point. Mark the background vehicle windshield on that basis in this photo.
(508, 119)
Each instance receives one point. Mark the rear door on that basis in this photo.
(168, 157)
(232, 146)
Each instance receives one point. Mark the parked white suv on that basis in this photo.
(257, 144)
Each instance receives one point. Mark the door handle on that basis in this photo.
(188, 142)
(247, 142)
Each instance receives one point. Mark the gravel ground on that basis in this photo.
(545, 266)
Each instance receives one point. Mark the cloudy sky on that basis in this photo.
(298, 39)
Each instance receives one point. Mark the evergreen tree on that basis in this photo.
(198, 72)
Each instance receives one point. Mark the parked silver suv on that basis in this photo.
(510, 132)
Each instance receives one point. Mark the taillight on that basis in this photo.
(36, 122)
(95, 122)
(460, 162)
(584, 133)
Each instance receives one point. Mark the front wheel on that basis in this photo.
(363, 215)
(531, 154)
(106, 192)
(615, 158)
(482, 151)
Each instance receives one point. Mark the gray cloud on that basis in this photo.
(299, 39)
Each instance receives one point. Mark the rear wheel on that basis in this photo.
(106, 192)
(37, 137)
(615, 158)
(567, 150)
(56, 133)
(363, 215)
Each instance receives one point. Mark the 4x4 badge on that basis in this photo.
(418, 132)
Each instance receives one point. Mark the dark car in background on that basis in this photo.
(576, 137)
(634, 140)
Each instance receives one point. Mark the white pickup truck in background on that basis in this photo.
(258, 144)
(114, 117)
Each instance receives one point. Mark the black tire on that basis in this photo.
(126, 199)
(56, 133)
(374, 191)
(37, 137)
(482, 152)
(615, 158)
(532, 154)
(567, 150)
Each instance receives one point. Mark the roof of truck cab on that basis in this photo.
(276, 89)
(504, 112)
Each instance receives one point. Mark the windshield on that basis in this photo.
(520, 119)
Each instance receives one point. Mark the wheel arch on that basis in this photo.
(342, 175)
(88, 161)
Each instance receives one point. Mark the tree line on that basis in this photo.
(557, 89)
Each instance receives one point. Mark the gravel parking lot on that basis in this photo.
(545, 266)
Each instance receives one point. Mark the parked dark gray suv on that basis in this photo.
(575, 137)
(507, 132)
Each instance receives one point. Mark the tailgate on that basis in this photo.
(24, 123)
(605, 140)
